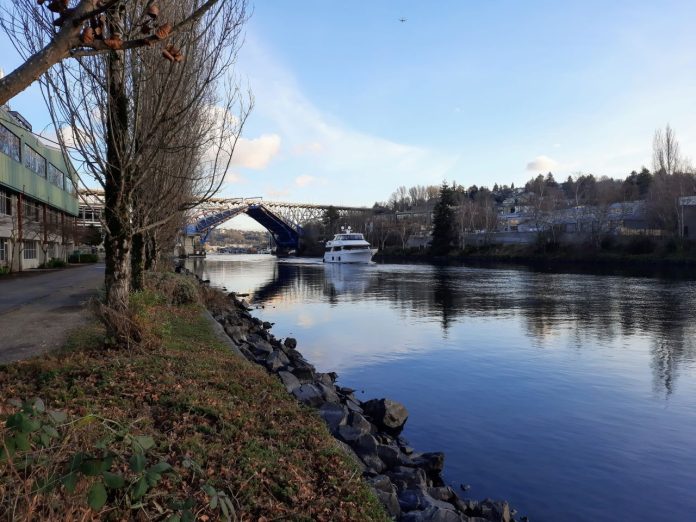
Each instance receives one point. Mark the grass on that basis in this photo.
(227, 429)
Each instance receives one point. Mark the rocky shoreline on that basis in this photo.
(409, 483)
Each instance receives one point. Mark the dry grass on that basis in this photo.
(218, 420)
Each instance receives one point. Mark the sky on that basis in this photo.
(350, 102)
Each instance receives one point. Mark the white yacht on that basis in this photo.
(348, 247)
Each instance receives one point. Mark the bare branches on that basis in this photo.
(83, 30)
(666, 156)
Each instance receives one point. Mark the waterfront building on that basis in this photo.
(687, 208)
(38, 197)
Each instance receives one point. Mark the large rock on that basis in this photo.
(386, 414)
(495, 510)
(349, 434)
(358, 421)
(259, 345)
(407, 478)
(412, 499)
(442, 514)
(433, 463)
(386, 493)
(289, 381)
(389, 455)
(276, 360)
(309, 394)
(325, 378)
(334, 415)
(365, 443)
(353, 405)
(235, 333)
(372, 462)
(304, 373)
(291, 343)
(444, 493)
(328, 392)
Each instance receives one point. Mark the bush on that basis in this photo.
(4, 270)
(177, 289)
(640, 245)
(83, 258)
(54, 263)
(607, 242)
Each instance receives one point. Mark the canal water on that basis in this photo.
(572, 396)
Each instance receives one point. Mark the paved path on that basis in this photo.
(37, 310)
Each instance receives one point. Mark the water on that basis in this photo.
(573, 396)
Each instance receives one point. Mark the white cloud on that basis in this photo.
(313, 147)
(305, 180)
(278, 193)
(233, 177)
(353, 160)
(543, 164)
(256, 153)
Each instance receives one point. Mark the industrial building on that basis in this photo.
(38, 197)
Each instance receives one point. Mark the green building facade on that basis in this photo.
(38, 197)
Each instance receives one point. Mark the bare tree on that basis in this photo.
(125, 114)
(666, 156)
(673, 179)
(85, 29)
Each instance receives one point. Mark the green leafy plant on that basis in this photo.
(33, 431)
(219, 500)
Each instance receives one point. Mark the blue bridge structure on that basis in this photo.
(284, 221)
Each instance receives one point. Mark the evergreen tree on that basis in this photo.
(330, 219)
(444, 234)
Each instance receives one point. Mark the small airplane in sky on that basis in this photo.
(402, 20)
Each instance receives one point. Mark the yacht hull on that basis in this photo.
(350, 256)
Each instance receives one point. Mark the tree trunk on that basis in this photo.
(138, 263)
(151, 253)
(118, 240)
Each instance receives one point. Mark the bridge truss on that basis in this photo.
(283, 220)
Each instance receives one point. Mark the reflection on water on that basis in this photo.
(572, 395)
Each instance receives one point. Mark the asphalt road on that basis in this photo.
(38, 310)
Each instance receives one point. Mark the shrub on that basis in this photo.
(83, 258)
(607, 242)
(54, 263)
(640, 245)
(4, 270)
(177, 289)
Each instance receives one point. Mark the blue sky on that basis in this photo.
(351, 103)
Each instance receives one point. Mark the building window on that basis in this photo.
(31, 210)
(9, 143)
(30, 250)
(68, 185)
(34, 161)
(3, 249)
(90, 215)
(5, 203)
(55, 175)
